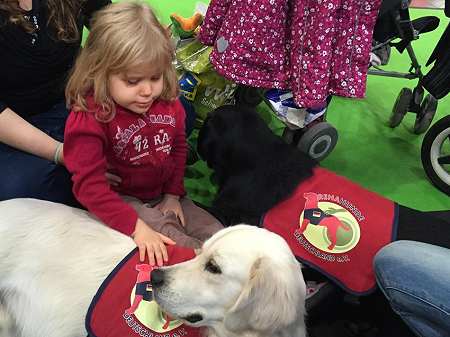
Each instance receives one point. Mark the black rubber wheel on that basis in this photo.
(318, 140)
(418, 93)
(401, 107)
(248, 96)
(426, 114)
(436, 158)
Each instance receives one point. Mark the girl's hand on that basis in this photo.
(171, 203)
(151, 242)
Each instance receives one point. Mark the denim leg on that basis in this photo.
(23, 175)
(415, 278)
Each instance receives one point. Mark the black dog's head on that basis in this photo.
(255, 169)
(233, 140)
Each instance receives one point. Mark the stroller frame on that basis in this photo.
(396, 14)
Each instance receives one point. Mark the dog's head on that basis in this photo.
(245, 280)
(233, 138)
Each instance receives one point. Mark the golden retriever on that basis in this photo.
(245, 282)
(53, 258)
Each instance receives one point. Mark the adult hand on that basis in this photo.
(152, 243)
(171, 203)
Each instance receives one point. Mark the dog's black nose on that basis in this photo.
(157, 278)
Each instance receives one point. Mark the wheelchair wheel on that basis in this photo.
(248, 96)
(435, 154)
(318, 140)
(426, 114)
(401, 107)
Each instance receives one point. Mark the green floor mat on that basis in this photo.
(382, 159)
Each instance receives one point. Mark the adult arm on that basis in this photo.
(18, 133)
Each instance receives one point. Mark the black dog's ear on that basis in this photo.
(208, 143)
(215, 128)
(203, 139)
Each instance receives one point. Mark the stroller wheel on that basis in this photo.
(435, 154)
(318, 140)
(426, 114)
(401, 107)
(248, 96)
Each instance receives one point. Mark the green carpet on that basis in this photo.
(381, 159)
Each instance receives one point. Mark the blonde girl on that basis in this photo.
(126, 120)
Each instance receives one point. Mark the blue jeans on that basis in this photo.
(415, 278)
(23, 175)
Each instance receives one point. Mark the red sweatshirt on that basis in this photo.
(147, 151)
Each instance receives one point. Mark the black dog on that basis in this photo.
(256, 170)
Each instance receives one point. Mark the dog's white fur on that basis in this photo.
(53, 259)
(255, 289)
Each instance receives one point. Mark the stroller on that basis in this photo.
(434, 153)
(394, 23)
(307, 129)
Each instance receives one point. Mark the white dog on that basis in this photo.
(244, 282)
(53, 258)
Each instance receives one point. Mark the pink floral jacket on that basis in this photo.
(313, 47)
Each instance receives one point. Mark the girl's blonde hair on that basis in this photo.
(123, 35)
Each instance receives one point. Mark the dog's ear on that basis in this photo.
(272, 299)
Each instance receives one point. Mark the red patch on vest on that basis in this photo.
(342, 238)
(109, 313)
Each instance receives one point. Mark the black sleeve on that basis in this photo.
(3, 106)
(89, 8)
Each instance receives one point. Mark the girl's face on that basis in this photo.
(137, 88)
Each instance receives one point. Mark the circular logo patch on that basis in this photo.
(149, 313)
(333, 229)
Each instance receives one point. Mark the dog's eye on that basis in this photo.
(212, 267)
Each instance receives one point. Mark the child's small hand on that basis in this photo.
(151, 242)
(171, 202)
